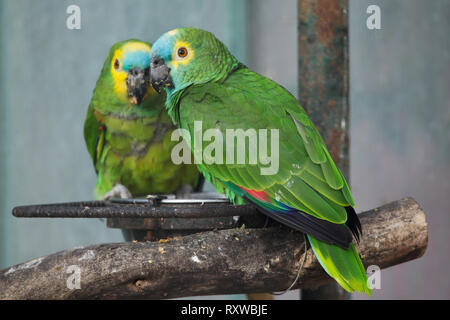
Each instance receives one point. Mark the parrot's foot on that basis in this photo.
(184, 192)
(118, 191)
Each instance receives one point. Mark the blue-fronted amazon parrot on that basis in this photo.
(127, 130)
(207, 85)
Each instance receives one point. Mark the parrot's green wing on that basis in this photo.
(94, 135)
(307, 178)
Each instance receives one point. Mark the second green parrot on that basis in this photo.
(128, 132)
(209, 89)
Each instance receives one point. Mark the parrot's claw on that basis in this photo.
(118, 191)
(184, 192)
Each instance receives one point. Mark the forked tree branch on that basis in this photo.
(215, 262)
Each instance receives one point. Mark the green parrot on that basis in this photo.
(128, 132)
(209, 89)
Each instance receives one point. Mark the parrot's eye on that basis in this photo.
(182, 52)
(116, 64)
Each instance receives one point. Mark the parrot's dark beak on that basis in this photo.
(137, 84)
(160, 74)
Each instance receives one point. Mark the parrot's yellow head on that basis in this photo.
(129, 66)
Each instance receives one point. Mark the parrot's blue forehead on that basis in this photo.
(163, 47)
(136, 59)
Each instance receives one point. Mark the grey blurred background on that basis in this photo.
(399, 94)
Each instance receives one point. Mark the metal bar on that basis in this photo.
(324, 87)
(105, 209)
(170, 201)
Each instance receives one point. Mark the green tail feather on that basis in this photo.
(345, 266)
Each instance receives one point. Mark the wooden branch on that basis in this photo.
(216, 262)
